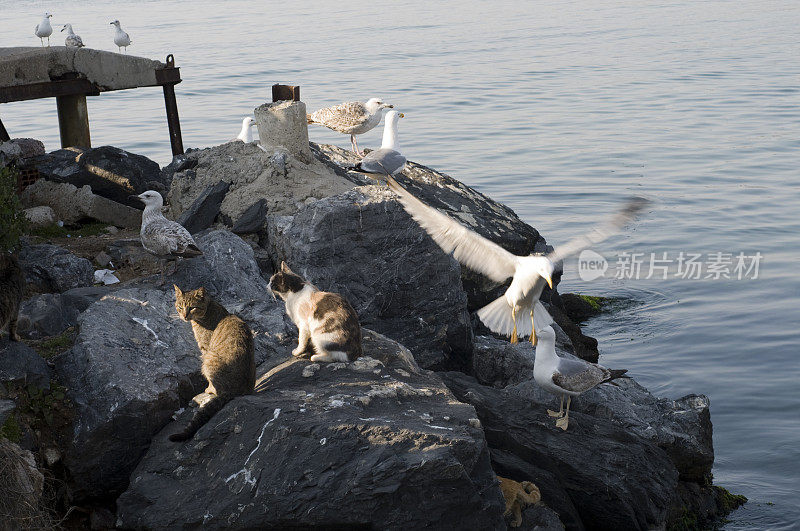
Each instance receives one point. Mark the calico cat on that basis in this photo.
(226, 344)
(327, 322)
(12, 283)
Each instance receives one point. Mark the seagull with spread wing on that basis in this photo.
(564, 376)
(528, 274)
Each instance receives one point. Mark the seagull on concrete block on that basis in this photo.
(162, 237)
(72, 39)
(528, 273)
(121, 39)
(44, 29)
(352, 118)
(565, 376)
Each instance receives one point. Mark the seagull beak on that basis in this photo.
(62, 29)
(135, 197)
(390, 106)
(549, 280)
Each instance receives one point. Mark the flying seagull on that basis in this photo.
(72, 39)
(44, 29)
(564, 376)
(528, 273)
(387, 160)
(351, 118)
(246, 134)
(163, 237)
(121, 39)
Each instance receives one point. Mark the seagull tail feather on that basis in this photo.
(616, 373)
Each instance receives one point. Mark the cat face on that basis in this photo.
(285, 282)
(191, 305)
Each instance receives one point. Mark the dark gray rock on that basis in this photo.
(363, 245)
(49, 268)
(82, 298)
(617, 466)
(540, 517)
(578, 308)
(204, 210)
(498, 363)
(253, 219)
(21, 365)
(346, 446)
(44, 315)
(20, 149)
(111, 172)
(133, 364)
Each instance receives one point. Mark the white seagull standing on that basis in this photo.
(161, 236)
(564, 376)
(72, 39)
(352, 118)
(246, 134)
(44, 29)
(387, 160)
(528, 273)
(121, 39)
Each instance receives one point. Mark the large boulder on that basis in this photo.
(48, 314)
(49, 268)
(620, 464)
(21, 365)
(111, 172)
(204, 210)
(363, 245)
(371, 444)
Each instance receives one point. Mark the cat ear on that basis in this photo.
(201, 291)
(177, 290)
(285, 268)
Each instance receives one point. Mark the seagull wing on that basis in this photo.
(469, 248)
(579, 376)
(384, 161)
(601, 232)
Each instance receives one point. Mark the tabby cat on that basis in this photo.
(226, 344)
(328, 324)
(12, 283)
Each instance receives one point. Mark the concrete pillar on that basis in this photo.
(283, 124)
(73, 121)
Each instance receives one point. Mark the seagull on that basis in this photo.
(72, 39)
(246, 134)
(121, 39)
(565, 376)
(387, 160)
(352, 118)
(44, 29)
(528, 273)
(160, 236)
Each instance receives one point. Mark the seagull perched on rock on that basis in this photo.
(528, 273)
(121, 39)
(246, 134)
(565, 376)
(163, 237)
(387, 160)
(72, 39)
(352, 118)
(44, 29)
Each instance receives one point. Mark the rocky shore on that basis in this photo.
(412, 435)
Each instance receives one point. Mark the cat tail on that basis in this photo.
(497, 317)
(201, 416)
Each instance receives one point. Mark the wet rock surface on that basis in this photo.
(362, 445)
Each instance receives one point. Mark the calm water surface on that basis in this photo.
(558, 110)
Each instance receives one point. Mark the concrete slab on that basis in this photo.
(107, 70)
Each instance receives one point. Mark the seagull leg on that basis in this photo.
(563, 422)
(355, 146)
(533, 329)
(560, 411)
(514, 332)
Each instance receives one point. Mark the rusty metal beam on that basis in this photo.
(48, 89)
(171, 104)
(285, 92)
